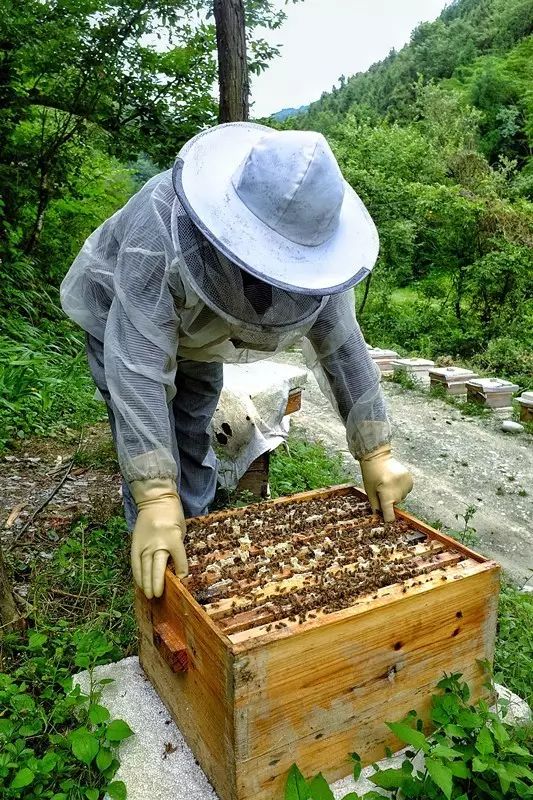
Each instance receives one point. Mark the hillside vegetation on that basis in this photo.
(437, 139)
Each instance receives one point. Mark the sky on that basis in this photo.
(324, 39)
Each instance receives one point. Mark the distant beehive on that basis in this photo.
(452, 379)
(417, 369)
(494, 393)
(384, 359)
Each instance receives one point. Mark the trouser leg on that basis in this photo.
(198, 387)
(95, 357)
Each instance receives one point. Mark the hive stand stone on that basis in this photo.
(495, 393)
(417, 368)
(452, 379)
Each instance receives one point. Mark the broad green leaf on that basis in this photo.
(296, 787)
(92, 794)
(23, 702)
(459, 769)
(84, 746)
(517, 750)
(319, 789)
(48, 762)
(499, 732)
(479, 765)
(116, 790)
(389, 778)
(118, 730)
(484, 743)
(6, 728)
(36, 640)
(104, 759)
(441, 775)
(31, 728)
(455, 731)
(467, 719)
(409, 735)
(503, 776)
(98, 714)
(442, 751)
(24, 777)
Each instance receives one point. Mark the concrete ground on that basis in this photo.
(156, 764)
(456, 461)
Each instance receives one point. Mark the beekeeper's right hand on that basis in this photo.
(158, 534)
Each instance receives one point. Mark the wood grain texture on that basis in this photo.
(201, 699)
(315, 696)
(294, 401)
(171, 647)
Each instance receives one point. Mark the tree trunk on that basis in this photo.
(232, 63)
(9, 617)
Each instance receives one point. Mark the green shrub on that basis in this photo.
(471, 754)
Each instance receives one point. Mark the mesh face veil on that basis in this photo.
(149, 289)
(239, 298)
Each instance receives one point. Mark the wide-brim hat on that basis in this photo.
(275, 203)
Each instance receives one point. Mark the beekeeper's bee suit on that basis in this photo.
(250, 243)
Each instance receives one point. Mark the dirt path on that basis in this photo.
(456, 462)
(90, 488)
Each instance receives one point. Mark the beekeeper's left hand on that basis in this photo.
(386, 480)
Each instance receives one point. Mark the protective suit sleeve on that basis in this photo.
(347, 375)
(140, 345)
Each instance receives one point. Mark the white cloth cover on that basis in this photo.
(250, 418)
(131, 288)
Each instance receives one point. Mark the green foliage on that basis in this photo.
(57, 741)
(45, 384)
(437, 140)
(471, 754)
(468, 534)
(304, 465)
(513, 661)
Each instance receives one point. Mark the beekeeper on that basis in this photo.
(250, 243)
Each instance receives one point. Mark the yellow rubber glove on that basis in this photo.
(386, 481)
(158, 533)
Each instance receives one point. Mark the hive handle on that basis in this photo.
(171, 648)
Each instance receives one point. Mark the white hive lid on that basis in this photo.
(453, 372)
(526, 398)
(414, 363)
(494, 385)
(377, 352)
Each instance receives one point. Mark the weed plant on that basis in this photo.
(470, 753)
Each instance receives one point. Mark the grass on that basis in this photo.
(513, 661)
(45, 386)
(303, 465)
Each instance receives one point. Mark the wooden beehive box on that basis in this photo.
(327, 625)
